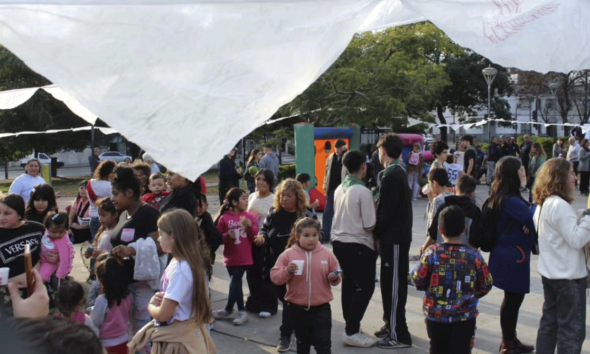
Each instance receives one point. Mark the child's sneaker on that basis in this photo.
(217, 314)
(264, 314)
(242, 318)
(358, 340)
(390, 343)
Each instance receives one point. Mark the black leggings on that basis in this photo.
(509, 314)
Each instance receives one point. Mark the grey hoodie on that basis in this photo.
(271, 161)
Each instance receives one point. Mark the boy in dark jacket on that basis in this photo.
(394, 232)
(213, 237)
(464, 200)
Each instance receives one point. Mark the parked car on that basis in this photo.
(43, 158)
(114, 156)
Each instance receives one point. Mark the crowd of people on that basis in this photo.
(154, 242)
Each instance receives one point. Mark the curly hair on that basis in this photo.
(552, 179)
(104, 170)
(291, 185)
(301, 224)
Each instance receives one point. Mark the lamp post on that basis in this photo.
(554, 86)
(489, 74)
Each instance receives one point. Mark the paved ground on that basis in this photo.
(260, 335)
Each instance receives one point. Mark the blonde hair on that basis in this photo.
(552, 179)
(294, 186)
(540, 151)
(186, 247)
(301, 224)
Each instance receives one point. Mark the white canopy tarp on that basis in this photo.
(14, 98)
(186, 79)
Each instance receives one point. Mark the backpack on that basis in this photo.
(489, 235)
(414, 159)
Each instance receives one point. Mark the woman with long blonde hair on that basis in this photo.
(562, 262)
(182, 307)
(290, 204)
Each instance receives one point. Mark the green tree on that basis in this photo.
(381, 78)
(469, 91)
(41, 112)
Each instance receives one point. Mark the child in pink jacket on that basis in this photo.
(309, 270)
(56, 240)
(238, 228)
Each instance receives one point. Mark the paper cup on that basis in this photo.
(300, 264)
(4, 276)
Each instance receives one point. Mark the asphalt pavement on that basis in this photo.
(260, 335)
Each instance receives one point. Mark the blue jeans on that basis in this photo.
(328, 216)
(94, 226)
(236, 295)
(563, 324)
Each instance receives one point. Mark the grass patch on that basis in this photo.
(68, 186)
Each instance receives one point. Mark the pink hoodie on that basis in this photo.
(312, 288)
(238, 251)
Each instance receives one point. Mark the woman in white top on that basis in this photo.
(562, 263)
(259, 204)
(23, 184)
(99, 187)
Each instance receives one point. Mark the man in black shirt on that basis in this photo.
(470, 155)
(494, 154)
(394, 232)
(334, 175)
(525, 152)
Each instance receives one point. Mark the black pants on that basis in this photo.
(312, 327)
(584, 182)
(358, 281)
(451, 338)
(286, 328)
(263, 295)
(395, 266)
(509, 314)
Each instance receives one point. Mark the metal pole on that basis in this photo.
(489, 112)
(585, 96)
(92, 140)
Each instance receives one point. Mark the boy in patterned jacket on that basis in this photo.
(454, 276)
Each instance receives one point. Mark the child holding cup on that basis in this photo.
(309, 270)
(239, 229)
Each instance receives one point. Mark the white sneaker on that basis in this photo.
(264, 314)
(242, 318)
(223, 313)
(358, 340)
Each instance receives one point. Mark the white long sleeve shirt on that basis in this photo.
(561, 240)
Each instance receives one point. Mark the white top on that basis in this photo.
(101, 189)
(354, 215)
(459, 155)
(23, 185)
(259, 207)
(561, 239)
(573, 152)
(177, 285)
(454, 171)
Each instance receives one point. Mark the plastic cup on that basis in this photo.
(300, 264)
(4, 276)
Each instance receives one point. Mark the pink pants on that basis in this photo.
(47, 270)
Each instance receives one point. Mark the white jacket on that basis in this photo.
(561, 240)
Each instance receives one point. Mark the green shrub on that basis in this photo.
(287, 171)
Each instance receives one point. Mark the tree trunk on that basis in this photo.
(441, 117)
(6, 170)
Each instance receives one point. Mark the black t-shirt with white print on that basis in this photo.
(12, 246)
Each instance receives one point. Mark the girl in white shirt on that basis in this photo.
(183, 300)
(23, 184)
(562, 263)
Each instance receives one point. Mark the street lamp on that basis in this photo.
(490, 74)
(554, 86)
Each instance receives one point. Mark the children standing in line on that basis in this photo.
(158, 190)
(182, 307)
(112, 308)
(56, 240)
(239, 229)
(42, 202)
(455, 275)
(69, 298)
(309, 270)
